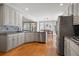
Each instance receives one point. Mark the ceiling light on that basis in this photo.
(61, 4)
(26, 9)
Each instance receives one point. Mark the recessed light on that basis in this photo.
(61, 4)
(26, 9)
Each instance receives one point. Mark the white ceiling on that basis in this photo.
(41, 11)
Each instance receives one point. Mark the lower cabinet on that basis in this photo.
(21, 38)
(67, 47)
(12, 40)
(9, 43)
(73, 53)
(27, 37)
(70, 47)
(74, 48)
(15, 41)
(43, 37)
(35, 36)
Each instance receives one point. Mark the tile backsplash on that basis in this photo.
(9, 28)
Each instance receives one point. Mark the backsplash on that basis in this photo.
(9, 28)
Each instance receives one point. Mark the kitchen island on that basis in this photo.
(36, 37)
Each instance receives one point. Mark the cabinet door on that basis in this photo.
(23, 38)
(75, 14)
(19, 39)
(65, 12)
(67, 50)
(43, 37)
(74, 47)
(9, 43)
(11, 16)
(1, 15)
(73, 53)
(70, 11)
(31, 37)
(17, 18)
(37, 37)
(20, 20)
(78, 11)
(27, 37)
(14, 40)
(6, 15)
(65, 47)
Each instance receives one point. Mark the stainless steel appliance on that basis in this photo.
(63, 28)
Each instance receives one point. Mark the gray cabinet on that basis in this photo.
(9, 44)
(70, 47)
(3, 42)
(27, 37)
(31, 38)
(15, 40)
(35, 36)
(70, 9)
(74, 48)
(67, 47)
(75, 14)
(21, 38)
(73, 53)
(65, 12)
(73, 9)
(10, 41)
(10, 16)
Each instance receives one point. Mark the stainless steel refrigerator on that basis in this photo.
(63, 28)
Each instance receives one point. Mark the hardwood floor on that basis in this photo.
(34, 49)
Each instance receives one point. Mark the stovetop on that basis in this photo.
(76, 38)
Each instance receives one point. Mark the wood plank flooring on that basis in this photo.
(34, 49)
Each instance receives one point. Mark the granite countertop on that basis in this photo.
(33, 32)
(11, 32)
(75, 40)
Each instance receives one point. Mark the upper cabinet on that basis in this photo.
(10, 16)
(73, 9)
(70, 10)
(6, 15)
(65, 12)
(75, 14)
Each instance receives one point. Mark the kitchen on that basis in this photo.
(17, 28)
